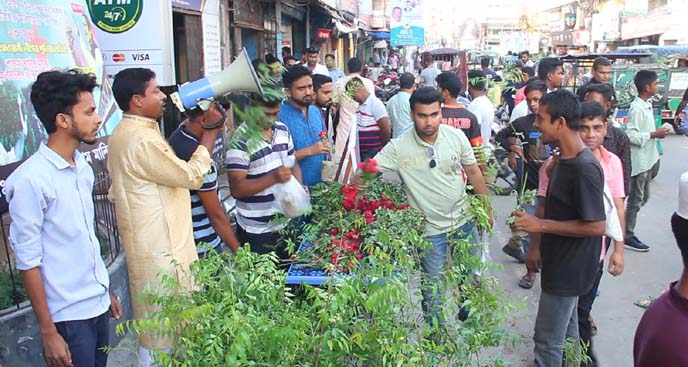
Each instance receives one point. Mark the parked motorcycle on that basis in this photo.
(387, 85)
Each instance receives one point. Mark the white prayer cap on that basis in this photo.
(683, 196)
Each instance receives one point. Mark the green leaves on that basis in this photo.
(241, 313)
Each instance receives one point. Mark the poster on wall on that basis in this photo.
(406, 23)
(35, 36)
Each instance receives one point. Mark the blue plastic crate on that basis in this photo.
(298, 273)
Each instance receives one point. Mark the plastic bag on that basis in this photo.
(293, 199)
(329, 171)
(485, 257)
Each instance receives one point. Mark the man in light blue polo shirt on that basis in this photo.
(52, 232)
(434, 161)
(398, 107)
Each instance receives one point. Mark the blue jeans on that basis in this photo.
(557, 320)
(432, 263)
(86, 340)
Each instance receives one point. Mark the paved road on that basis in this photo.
(645, 273)
(614, 312)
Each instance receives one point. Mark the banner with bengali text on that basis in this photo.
(406, 23)
(36, 36)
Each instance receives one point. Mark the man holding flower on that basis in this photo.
(434, 162)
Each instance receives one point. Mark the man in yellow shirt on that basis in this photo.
(150, 188)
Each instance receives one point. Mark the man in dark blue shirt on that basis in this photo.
(210, 223)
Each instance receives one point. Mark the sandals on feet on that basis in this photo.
(527, 281)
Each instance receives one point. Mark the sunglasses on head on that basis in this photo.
(430, 152)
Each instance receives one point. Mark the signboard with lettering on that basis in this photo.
(135, 33)
(115, 16)
(406, 23)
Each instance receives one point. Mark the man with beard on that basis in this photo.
(304, 122)
(433, 161)
(150, 188)
(53, 237)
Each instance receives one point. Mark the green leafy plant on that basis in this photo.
(12, 289)
(525, 197)
(243, 314)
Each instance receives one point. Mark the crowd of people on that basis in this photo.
(591, 181)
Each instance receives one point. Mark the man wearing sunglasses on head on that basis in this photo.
(434, 161)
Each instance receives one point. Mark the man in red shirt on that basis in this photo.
(660, 339)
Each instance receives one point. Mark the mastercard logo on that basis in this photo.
(118, 57)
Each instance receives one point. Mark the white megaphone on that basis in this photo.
(239, 76)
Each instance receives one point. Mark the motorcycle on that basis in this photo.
(387, 85)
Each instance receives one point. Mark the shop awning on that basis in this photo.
(379, 35)
(380, 44)
(344, 27)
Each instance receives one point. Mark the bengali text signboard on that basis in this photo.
(406, 24)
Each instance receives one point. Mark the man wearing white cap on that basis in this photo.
(663, 330)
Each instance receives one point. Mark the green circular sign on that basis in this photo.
(115, 16)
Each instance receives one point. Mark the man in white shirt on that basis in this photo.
(481, 106)
(551, 71)
(347, 106)
(53, 228)
(312, 62)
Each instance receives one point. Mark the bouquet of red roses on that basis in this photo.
(354, 223)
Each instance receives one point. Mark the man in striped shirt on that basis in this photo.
(374, 130)
(210, 223)
(257, 161)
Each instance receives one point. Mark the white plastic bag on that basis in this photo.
(293, 199)
(485, 257)
(613, 225)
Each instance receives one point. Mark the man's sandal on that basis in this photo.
(527, 281)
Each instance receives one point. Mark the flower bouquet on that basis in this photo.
(329, 167)
(352, 224)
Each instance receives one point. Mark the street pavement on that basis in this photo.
(645, 274)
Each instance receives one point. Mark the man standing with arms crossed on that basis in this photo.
(52, 232)
(643, 135)
(150, 188)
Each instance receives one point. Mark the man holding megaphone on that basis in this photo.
(150, 188)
